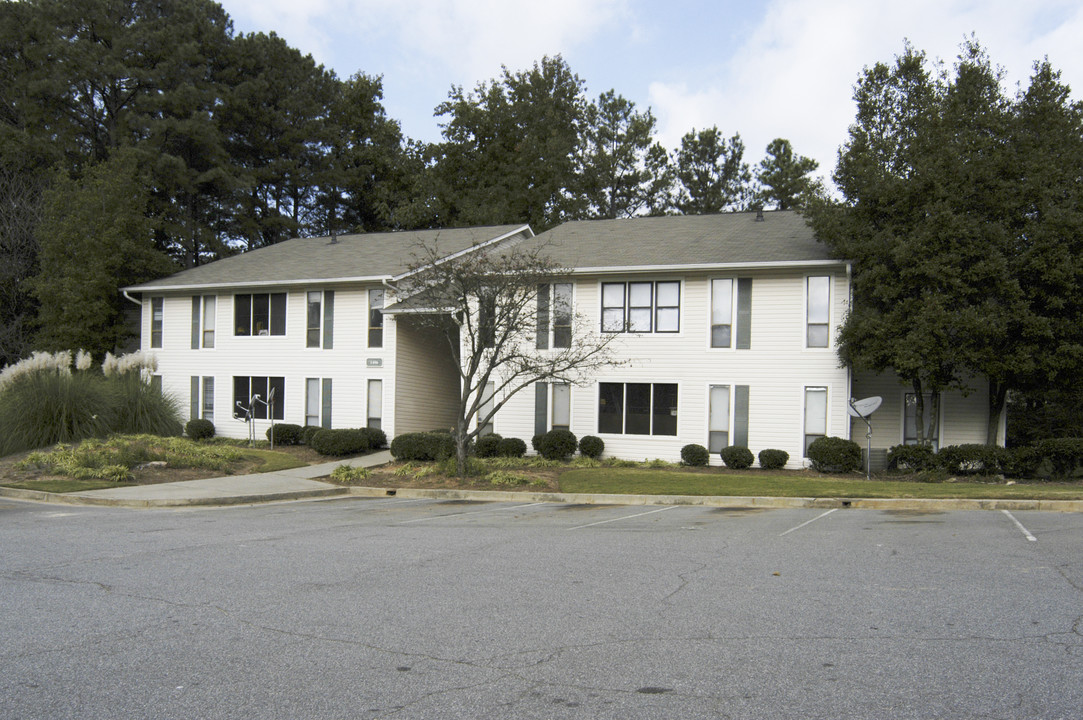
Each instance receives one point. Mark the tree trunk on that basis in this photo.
(998, 396)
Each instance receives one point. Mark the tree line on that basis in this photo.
(138, 138)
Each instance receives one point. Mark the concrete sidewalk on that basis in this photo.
(292, 484)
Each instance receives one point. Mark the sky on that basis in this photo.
(778, 68)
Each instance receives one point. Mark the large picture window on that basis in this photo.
(637, 408)
(641, 307)
(271, 392)
(259, 314)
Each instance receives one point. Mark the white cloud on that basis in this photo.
(794, 75)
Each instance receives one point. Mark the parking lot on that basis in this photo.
(406, 608)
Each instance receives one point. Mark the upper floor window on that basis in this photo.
(554, 316)
(203, 320)
(320, 318)
(376, 317)
(818, 311)
(156, 320)
(722, 312)
(259, 314)
(641, 307)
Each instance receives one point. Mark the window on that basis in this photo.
(485, 423)
(376, 318)
(815, 415)
(637, 408)
(562, 406)
(208, 398)
(263, 314)
(263, 397)
(375, 404)
(486, 321)
(156, 315)
(203, 309)
(718, 430)
(320, 316)
(204, 409)
(312, 402)
(930, 416)
(555, 299)
(818, 306)
(561, 416)
(641, 307)
(721, 313)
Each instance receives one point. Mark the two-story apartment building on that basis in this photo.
(724, 326)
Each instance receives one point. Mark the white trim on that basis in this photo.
(706, 266)
(254, 283)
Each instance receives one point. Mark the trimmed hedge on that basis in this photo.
(308, 431)
(971, 459)
(199, 429)
(834, 454)
(591, 446)
(695, 455)
(916, 458)
(1064, 456)
(737, 457)
(555, 444)
(347, 442)
(486, 445)
(285, 434)
(423, 446)
(773, 459)
(511, 447)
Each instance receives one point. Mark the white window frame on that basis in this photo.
(370, 296)
(374, 391)
(206, 406)
(727, 416)
(487, 403)
(818, 322)
(805, 442)
(650, 414)
(271, 315)
(906, 415)
(565, 388)
(157, 321)
(731, 324)
(652, 311)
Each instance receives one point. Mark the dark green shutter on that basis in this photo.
(326, 420)
(328, 319)
(541, 408)
(740, 415)
(543, 317)
(196, 328)
(744, 313)
(194, 404)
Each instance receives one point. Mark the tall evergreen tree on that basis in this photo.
(711, 172)
(783, 176)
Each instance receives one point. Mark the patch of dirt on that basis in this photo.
(392, 475)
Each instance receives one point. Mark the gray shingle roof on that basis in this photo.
(353, 257)
(729, 238)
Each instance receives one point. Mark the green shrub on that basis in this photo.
(348, 475)
(341, 442)
(1064, 456)
(834, 454)
(591, 446)
(773, 459)
(737, 457)
(199, 429)
(555, 444)
(695, 455)
(1023, 461)
(503, 477)
(915, 458)
(425, 446)
(511, 448)
(39, 409)
(308, 431)
(377, 437)
(486, 445)
(285, 434)
(969, 459)
(142, 408)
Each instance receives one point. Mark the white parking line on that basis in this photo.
(625, 517)
(809, 521)
(472, 512)
(1026, 533)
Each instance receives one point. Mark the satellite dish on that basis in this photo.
(866, 407)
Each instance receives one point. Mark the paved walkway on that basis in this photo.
(292, 484)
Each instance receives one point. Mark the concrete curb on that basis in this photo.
(718, 501)
(72, 499)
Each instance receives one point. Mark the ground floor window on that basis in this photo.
(930, 416)
(485, 419)
(718, 432)
(318, 402)
(204, 408)
(259, 397)
(815, 415)
(637, 408)
(375, 404)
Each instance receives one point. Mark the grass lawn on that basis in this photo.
(796, 484)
